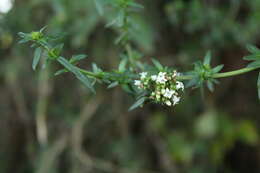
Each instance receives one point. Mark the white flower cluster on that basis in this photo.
(163, 87)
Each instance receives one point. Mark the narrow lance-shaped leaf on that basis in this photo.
(157, 64)
(76, 58)
(210, 86)
(252, 57)
(193, 82)
(112, 85)
(42, 29)
(252, 49)
(135, 5)
(95, 68)
(76, 72)
(37, 57)
(138, 103)
(254, 64)
(59, 72)
(258, 85)
(207, 58)
(122, 65)
(217, 68)
(99, 6)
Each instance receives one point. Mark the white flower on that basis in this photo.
(162, 74)
(168, 103)
(143, 75)
(168, 93)
(175, 100)
(138, 83)
(163, 91)
(161, 78)
(179, 85)
(174, 74)
(154, 77)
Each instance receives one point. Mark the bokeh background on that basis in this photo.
(52, 124)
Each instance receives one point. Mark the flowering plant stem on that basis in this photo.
(156, 83)
(189, 77)
(184, 77)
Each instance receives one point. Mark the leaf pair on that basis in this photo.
(74, 59)
(70, 67)
(255, 57)
(203, 72)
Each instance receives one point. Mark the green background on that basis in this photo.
(52, 124)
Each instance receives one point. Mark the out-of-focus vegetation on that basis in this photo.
(50, 124)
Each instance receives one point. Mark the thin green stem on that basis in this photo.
(225, 74)
(234, 73)
(89, 73)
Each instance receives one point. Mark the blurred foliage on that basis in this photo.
(51, 126)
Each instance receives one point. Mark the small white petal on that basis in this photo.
(138, 82)
(154, 77)
(175, 100)
(163, 91)
(168, 93)
(143, 75)
(179, 85)
(168, 103)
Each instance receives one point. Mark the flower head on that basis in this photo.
(162, 88)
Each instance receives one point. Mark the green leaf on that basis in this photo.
(59, 72)
(207, 59)
(113, 22)
(76, 58)
(138, 103)
(157, 64)
(210, 86)
(192, 82)
(23, 35)
(121, 37)
(252, 49)
(37, 57)
(215, 81)
(58, 49)
(252, 57)
(122, 65)
(24, 40)
(95, 68)
(121, 18)
(258, 85)
(42, 29)
(99, 5)
(217, 68)
(76, 72)
(135, 5)
(112, 85)
(254, 64)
